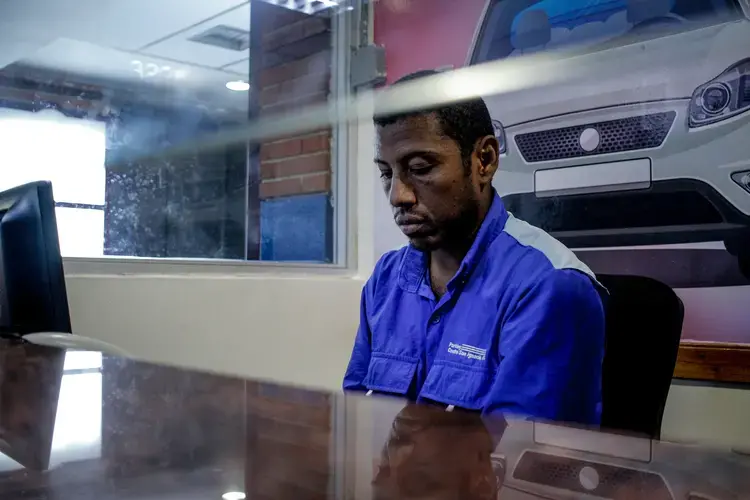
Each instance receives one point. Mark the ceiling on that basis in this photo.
(136, 43)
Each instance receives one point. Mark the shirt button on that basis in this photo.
(435, 319)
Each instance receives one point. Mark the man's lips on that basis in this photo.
(403, 219)
(412, 229)
(411, 225)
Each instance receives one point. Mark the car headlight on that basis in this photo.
(726, 95)
(743, 179)
(500, 134)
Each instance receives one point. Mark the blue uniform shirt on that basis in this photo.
(520, 329)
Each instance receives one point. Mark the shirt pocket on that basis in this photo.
(460, 386)
(390, 374)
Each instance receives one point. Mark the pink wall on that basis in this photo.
(425, 34)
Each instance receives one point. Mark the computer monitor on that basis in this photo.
(32, 284)
(32, 299)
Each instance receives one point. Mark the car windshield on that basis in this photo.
(518, 27)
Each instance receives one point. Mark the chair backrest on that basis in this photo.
(643, 327)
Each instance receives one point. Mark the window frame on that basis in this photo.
(344, 187)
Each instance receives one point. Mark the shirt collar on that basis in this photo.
(414, 264)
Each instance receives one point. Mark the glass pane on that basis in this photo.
(51, 146)
(128, 110)
(81, 231)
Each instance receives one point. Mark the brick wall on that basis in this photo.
(292, 78)
(296, 165)
(290, 67)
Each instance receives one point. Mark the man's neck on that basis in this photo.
(447, 260)
(444, 262)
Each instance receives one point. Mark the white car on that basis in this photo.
(649, 142)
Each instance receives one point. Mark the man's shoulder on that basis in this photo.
(569, 285)
(535, 258)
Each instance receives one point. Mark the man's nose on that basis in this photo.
(402, 193)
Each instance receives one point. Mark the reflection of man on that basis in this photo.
(436, 454)
(480, 311)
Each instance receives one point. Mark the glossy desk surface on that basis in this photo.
(130, 430)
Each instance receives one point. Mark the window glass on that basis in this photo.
(128, 112)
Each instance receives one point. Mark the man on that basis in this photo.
(480, 311)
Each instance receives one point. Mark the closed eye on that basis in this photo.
(421, 169)
(421, 164)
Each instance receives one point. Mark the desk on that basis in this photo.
(132, 430)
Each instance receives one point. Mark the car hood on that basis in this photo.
(670, 67)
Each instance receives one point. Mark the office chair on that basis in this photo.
(643, 327)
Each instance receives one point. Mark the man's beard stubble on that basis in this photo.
(458, 233)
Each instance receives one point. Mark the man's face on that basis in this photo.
(434, 196)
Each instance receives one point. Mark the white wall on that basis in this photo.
(296, 330)
(388, 235)
(704, 414)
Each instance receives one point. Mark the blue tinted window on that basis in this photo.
(518, 27)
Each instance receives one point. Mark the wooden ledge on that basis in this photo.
(715, 362)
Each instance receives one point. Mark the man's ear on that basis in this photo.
(487, 150)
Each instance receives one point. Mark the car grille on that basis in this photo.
(612, 481)
(626, 134)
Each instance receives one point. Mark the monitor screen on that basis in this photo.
(32, 284)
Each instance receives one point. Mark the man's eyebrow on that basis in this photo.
(421, 153)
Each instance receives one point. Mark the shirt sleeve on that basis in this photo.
(360, 359)
(551, 350)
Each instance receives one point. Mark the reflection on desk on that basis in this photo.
(77, 425)
(131, 430)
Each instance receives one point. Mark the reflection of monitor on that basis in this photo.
(32, 285)
(30, 379)
(32, 299)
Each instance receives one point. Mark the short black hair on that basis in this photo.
(465, 122)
